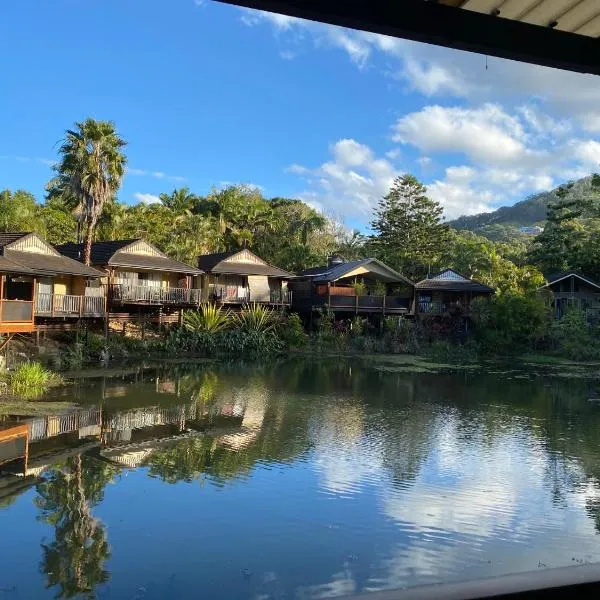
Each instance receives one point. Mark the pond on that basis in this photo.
(299, 479)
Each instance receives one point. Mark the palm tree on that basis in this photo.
(179, 201)
(91, 168)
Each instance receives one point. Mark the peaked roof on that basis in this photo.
(221, 263)
(331, 273)
(450, 280)
(552, 279)
(109, 253)
(14, 259)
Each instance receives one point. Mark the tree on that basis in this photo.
(409, 233)
(17, 211)
(91, 169)
(179, 201)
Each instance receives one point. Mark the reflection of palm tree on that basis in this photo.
(74, 561)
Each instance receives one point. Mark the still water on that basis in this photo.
(304, 479)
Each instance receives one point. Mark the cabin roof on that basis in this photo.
(50, 262)
(109, 253)
(331, 273)
(223, 263)
(450, 280)
(557, 277)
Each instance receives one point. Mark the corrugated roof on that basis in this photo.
(215, 263)
(10, 237)
(337, 271)
(108, 253)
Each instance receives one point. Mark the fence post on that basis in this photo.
(52, 304)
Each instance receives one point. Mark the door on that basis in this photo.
(43, 302)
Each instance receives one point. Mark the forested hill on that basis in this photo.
(506, 221)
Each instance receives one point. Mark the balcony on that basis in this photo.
(231, 294)
(66, 305)
(442, 308)
(376, 304)
(143, 294)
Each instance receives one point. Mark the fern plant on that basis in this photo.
(210, 318)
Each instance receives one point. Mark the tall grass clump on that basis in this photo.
(255, 318)
(31, 379)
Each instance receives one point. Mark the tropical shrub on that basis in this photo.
(360, 288)
(209, 318)
(31, 379)
(290, 331)
(358, 326)
(379, 289)
(256, 318)
(401, 335)
(573, 337)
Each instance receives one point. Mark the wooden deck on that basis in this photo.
(14, 443)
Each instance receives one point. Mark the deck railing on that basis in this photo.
(231, 294)
(16, 311)
(153, 295)
(369, 303)
(67, 305)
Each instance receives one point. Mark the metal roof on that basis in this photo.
(334, 272)
(552, 279)
(109, 253)
(554, 33)
(218, 263)
(449, 280)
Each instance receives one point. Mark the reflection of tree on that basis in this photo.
(74, 561)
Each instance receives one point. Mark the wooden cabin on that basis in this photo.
(39, 285)
(241, 277)
(448, 292)
(139, 276)
(573, 290)
(366, 286)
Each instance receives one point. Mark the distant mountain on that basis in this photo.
(506, 222)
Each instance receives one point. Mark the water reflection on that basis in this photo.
(317, 478)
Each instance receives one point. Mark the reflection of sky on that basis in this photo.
(339, 518)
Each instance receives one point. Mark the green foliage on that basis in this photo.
(290, 331)
(410, 234)
(256, 318)
(360, 287)
(18, 211)
(401, 335)
(30, 380)
(90, 171)
(574, 338)
(358, 326)
(511, 323)
(210, 318)
(379, 289)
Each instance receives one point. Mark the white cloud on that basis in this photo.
(47, 162)
(287, 55)
(485, 134)
(394, 153)
(146, 198)
(154, 174)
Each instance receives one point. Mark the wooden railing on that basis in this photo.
(153, 295)
(239, 295)
(16, 311)
(67, 305)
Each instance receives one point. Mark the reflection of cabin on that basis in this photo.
(37, 282)
(240, 277)
(448, 292)
(573, 290)
(138, 274)
(361, 286)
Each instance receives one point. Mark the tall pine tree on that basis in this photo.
(410, 235)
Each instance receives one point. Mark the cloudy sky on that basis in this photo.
(207, 93)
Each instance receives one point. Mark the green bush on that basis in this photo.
(573, 337)
(290, 331)
(401, 335)
(256, 318)
(31, 379)
(358, 326)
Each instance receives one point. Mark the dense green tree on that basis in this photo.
(179, 201)
(18, 211)
(91, 168)
(409, 233)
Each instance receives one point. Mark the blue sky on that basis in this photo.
(206, 93)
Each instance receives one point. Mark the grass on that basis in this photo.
(31, 379)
